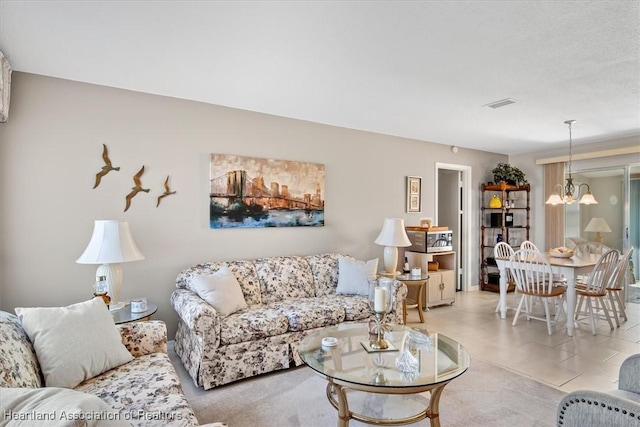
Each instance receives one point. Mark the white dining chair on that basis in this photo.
(616, 286)
(594, 292)
(503, 250)
(557, 278)
(534, 280)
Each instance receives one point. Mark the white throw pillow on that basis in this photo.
(221, 290)
(353, 275)
(74, 343)
(57, 407)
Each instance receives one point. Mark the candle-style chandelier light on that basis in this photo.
(569, 188)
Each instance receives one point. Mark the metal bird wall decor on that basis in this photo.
(106, 168)
(135, 190)
(167, 191)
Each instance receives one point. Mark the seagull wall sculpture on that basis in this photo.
(106, 168)
(167, 191)
(136, 189)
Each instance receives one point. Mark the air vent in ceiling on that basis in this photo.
(501, 103)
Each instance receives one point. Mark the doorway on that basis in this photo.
(453, 207)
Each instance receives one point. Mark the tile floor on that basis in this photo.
(583, 361)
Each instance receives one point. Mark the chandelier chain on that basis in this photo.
(570, 144)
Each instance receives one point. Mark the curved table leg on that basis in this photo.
(343, 406)
(433, 412)
(344, 415)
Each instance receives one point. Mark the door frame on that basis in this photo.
(465, 239)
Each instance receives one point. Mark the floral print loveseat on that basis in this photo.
(143, 392)
(287, 298)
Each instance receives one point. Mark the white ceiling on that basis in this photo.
(416, 69)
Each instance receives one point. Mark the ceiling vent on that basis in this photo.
(501, 103)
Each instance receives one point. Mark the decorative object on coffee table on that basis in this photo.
(380, 299)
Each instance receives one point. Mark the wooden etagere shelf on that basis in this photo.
(511, 221)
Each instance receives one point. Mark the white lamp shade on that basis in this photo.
(588, 199)
(554, 199)
(393, 233)
(598, 225)
(110, 243)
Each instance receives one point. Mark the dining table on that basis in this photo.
(570, 268)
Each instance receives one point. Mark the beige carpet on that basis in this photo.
(485, 395)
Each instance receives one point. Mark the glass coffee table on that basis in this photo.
(367, 386)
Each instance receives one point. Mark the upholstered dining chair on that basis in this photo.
(534, 280)
(594, 292)
(503, 250)
(587, 249)
(616, 285)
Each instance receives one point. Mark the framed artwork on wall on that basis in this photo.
(414, 194)
(5, 87)
(251, 192)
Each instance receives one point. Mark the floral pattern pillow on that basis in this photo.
(284, 277)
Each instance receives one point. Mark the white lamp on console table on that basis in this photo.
(392, 236)
(111, 244)
(598, 226)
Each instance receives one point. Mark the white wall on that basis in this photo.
(50, 151)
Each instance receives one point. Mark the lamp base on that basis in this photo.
(113, 273)
(390, 257)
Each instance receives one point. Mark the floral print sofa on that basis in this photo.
(143, 392)
(287, 298)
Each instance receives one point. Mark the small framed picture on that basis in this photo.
(414, 194)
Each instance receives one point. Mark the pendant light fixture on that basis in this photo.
(570, 188)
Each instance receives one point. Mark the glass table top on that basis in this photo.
(348, 361)
(408, 277)
(124, 314)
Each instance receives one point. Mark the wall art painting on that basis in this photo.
(251, 192)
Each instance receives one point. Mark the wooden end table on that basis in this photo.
(420, 282)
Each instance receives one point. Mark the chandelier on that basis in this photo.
(569, 188)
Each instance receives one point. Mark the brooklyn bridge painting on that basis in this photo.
(250, 192)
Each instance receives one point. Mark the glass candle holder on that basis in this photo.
(380, 302)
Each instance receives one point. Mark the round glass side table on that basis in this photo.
(124, 314)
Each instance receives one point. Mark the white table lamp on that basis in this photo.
(599, 226)
(392, 236)
(111, 244)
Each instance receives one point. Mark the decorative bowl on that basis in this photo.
(561, 252)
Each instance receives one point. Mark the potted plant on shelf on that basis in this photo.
(509, 174)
